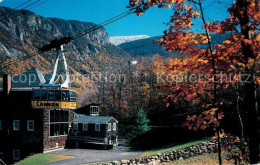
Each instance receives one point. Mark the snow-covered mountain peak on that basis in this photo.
(117, 40)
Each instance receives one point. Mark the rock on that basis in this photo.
(124, 161)
(171, 157)
(28, 31)
(116, 163)
(152, 162)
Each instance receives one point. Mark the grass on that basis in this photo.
(206, 158)
(42, 159)
(166, 149)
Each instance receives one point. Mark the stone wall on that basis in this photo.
(199, 149)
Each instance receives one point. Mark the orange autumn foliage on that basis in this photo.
(227, 57)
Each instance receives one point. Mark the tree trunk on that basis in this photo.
(240, 120)
(238, 113)
(250, 89)
(215, 82)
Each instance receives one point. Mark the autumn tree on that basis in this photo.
(237, 54)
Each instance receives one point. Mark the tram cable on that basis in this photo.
(15, 8)
(38, 4)
(65, 40)
(14, 12)
(23, 8)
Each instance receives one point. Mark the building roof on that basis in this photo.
(31, 78)
(93, 119)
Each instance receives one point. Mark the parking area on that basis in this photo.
(86, 156)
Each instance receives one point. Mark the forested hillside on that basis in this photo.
(23, 33)
(146, 47)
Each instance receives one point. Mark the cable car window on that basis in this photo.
(72, 96)
(37, 95)
(58, 95)
(43, 95)
(65, 95)
(51, 95)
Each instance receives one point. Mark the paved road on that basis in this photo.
(85, 156)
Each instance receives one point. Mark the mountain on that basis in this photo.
(146, 47)
(117, 40)
(27, 30)
(23, 33)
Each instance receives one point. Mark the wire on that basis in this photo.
(38, 4)
(22, 8)
(19, 60)
(103, 24)
(5, 14)
(15, 8)
(107, 22)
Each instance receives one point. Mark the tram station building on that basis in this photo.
(38, 120)
(25, 130)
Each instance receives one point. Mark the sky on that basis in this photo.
(151, 23)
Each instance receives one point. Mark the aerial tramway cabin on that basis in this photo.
(90, 128)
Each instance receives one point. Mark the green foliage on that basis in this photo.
(166, 136)
(129, 132)
(141, 123)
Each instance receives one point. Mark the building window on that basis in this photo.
(59, 122)
(30, 125)
(75, 126)
(85, 127)
(97, 127)
(114, 126)
(109, 127)
(16, 154)
(1, 124)
(16, 125)
(94, 110)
